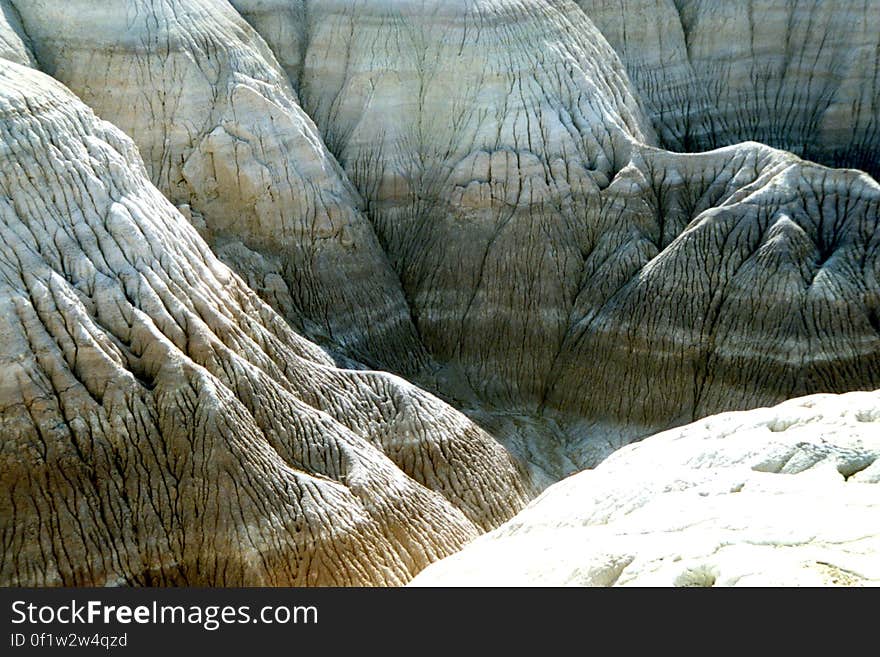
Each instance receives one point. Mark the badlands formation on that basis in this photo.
(315, 292)
(801, 75)
(162, 425)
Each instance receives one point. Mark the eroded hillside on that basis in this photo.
(162, 425)
(231, 227)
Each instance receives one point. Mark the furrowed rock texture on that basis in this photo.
(14, 43)
(162, 425)
(772, 497)
(729, 280)
(569, 270)
(284, 26)
(801, 75)
(475, 131)
(224, 138)
(579, 287)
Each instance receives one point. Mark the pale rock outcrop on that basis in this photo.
(163, 425)
(14, 43)
(780, 496)
(795, 74)
(223, 138)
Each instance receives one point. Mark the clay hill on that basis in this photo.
(316, 292)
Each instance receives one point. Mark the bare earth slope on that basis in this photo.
(473, 194)
(224, 138)
(162, 425)
(728, 280)
(772, 497)
(14, 44)
(566, 268)
(801, 75)
(476, 131)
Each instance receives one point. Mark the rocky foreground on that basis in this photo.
(781, 496)
(315, 293)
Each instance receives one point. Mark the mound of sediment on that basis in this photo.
(780, 496)
(162, 425)
(799, 75)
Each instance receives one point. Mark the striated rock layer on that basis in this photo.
(773, 497)
(162, 425)
(568, 270)
(223, 137)
(728, 280)
(796, 74)
(14, 43)
(476, 132)
(470, 193)
(554, 261)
